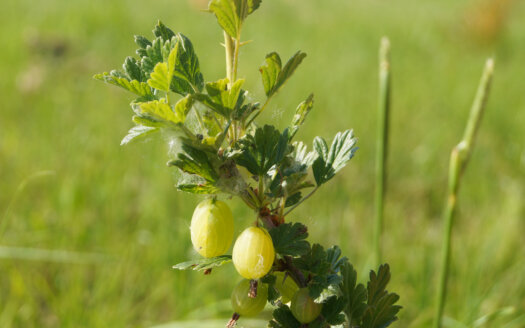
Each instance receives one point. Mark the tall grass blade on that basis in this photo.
(458, 161)
(382, 144)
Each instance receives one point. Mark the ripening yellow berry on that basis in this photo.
(211, 228)
(253, 253)
(285, 285)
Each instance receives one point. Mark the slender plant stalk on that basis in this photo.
(458, 162)
(230, 49)
(382, 143)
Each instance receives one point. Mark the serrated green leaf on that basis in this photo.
(270, 72)
(204, 264)
(227, 17)
(159, 110)
(259, 152)
(232, 13)
(163, 32)
(195, 161)
(142, 42)
(283, 318)
(290, 239)
(220, 98)
(202, 189)
(273, 76)
(300, 115)
(381, 311)
(356, 294)
(146, 121)
(187, 68)
(330, 161)
(115, 78)
(133, 70)
(162, 74)
(332, 310)
(137, 132)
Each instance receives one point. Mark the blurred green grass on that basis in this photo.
(66, 184)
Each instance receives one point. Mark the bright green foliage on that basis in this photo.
(330, 161)
(274, 76)
(300, 114)
(232, 13)
(259, 152)
(137, 132)
(289, 239)
(204, 263)
(219, 148)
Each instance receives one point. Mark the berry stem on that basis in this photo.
(233, 320)
(253, 288)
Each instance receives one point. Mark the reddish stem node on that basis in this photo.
(253, 288)
(233, 320)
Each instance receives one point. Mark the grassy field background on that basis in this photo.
(113, 212)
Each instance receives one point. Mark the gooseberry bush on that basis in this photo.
(221, 151)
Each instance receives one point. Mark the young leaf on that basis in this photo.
(273, 76)
(187, 65)
(270, 72)
(137, 132)
(355, 294)
(163, 32)
(220, 98)
(142, 42)
(260, 152)
(182, 107)
(289, 239)
(283, 318)
(162, 74)
(226, 13)
(331, 161)
(300, 115)
(158, 110)
(116, 78)
(133, 69)
(204, 264)
(381, 311)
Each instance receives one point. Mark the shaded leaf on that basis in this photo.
(259, 152)
(204, 264)
(195, 161)
(283, 318)
(289, 239)
(332, 310)
(381, 311)
(356, 294)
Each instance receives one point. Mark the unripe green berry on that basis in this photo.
(303, 307)
(243, 304)
(285, 285)
(211, 228)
